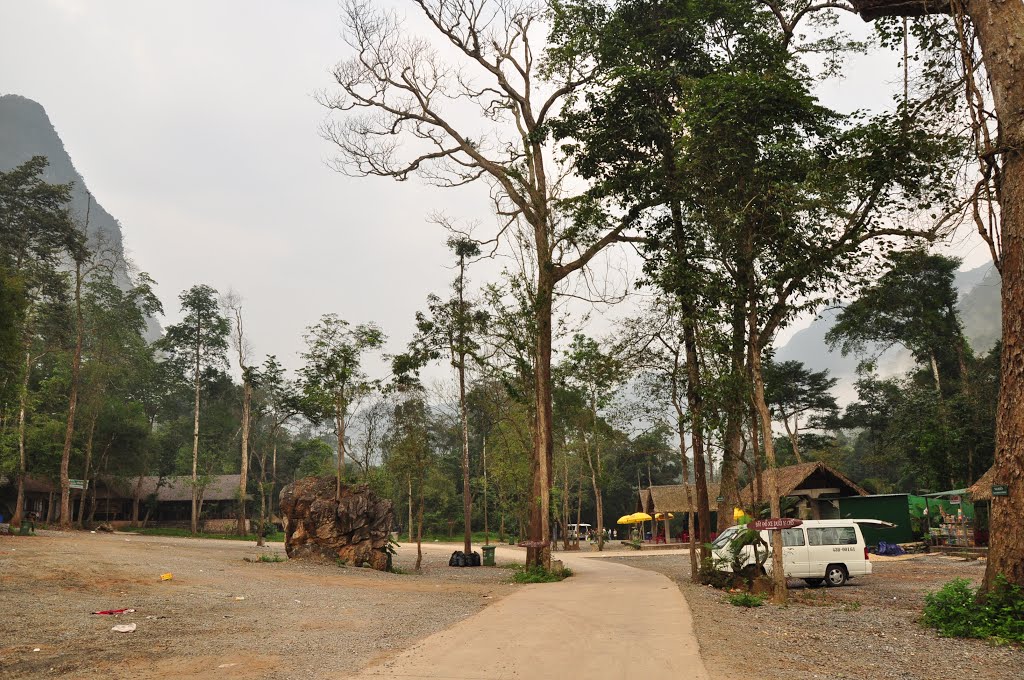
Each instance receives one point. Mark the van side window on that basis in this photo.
(792, 538)
(832, 536)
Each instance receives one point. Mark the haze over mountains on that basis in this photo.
(980, 311)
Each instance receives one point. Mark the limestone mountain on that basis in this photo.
(26, 131)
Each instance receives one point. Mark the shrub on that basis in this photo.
(958, 610)
(745, 599)
(523, 574)
(271, 557)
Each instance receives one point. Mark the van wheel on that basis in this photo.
(835, 575)
(814, 582)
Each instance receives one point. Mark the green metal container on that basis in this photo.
(488, 551)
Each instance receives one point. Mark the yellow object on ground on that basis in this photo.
(166, 577)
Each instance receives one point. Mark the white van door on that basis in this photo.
(794, 552)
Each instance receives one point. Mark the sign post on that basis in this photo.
(78, 483)
(775, 524)
(1000, 490)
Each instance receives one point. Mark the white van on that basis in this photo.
(829, 551)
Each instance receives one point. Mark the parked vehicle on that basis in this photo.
(829, 551)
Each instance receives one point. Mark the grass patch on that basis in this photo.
(523, 574)
(478, 538)
(185, 533)
(960, 610)
(745, 599)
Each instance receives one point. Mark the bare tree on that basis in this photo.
(481, 115)
(232, 304)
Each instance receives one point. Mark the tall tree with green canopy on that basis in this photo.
(786, 220)
(333, 379)
(595, 373)
(194, 346)
(793, 392)
(451, 328)
(116, 358)
(913, 305)
(37, 234)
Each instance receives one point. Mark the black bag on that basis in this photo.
(456, 556)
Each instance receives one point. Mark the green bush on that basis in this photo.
(958, 610)
(523, 574)
(744, 600)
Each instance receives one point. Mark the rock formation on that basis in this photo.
(354, 529)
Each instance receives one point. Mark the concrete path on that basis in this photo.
(607, 622)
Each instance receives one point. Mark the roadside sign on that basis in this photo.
(78, 483)
(954, 500)
(1000, 490)
(774, 524)
(720, 499)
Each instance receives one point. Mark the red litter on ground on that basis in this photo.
(110, 612)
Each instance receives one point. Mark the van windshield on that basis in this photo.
(724, 538)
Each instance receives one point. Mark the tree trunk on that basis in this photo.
(135, 502)
(260, 530)
(539, 554)
(69, 430)
(410, 509)
(467, 497)
(593, 452)
(735, 416)
(88, 470)
(22, 460)
(419, 530)
(794, 436)
(1000, 25)
(194, 524)
(339, 427)
(695, 400)
(243, 480)
(487, 529)
(779, 593)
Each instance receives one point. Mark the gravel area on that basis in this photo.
(219, 616)
(866, 629)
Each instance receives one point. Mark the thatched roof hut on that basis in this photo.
(812, 480)
(873, 9)
(673, 498)
(178, 489)
(981, 490)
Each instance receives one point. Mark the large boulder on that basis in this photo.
(355, 528)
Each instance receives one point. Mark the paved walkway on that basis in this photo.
(607, 622)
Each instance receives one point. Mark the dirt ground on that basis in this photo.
(219, 616)
(866, 629)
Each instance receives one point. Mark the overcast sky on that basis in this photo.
(194, 124)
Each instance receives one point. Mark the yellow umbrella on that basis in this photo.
(640, 517)
(625, 519)
(662, 515)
